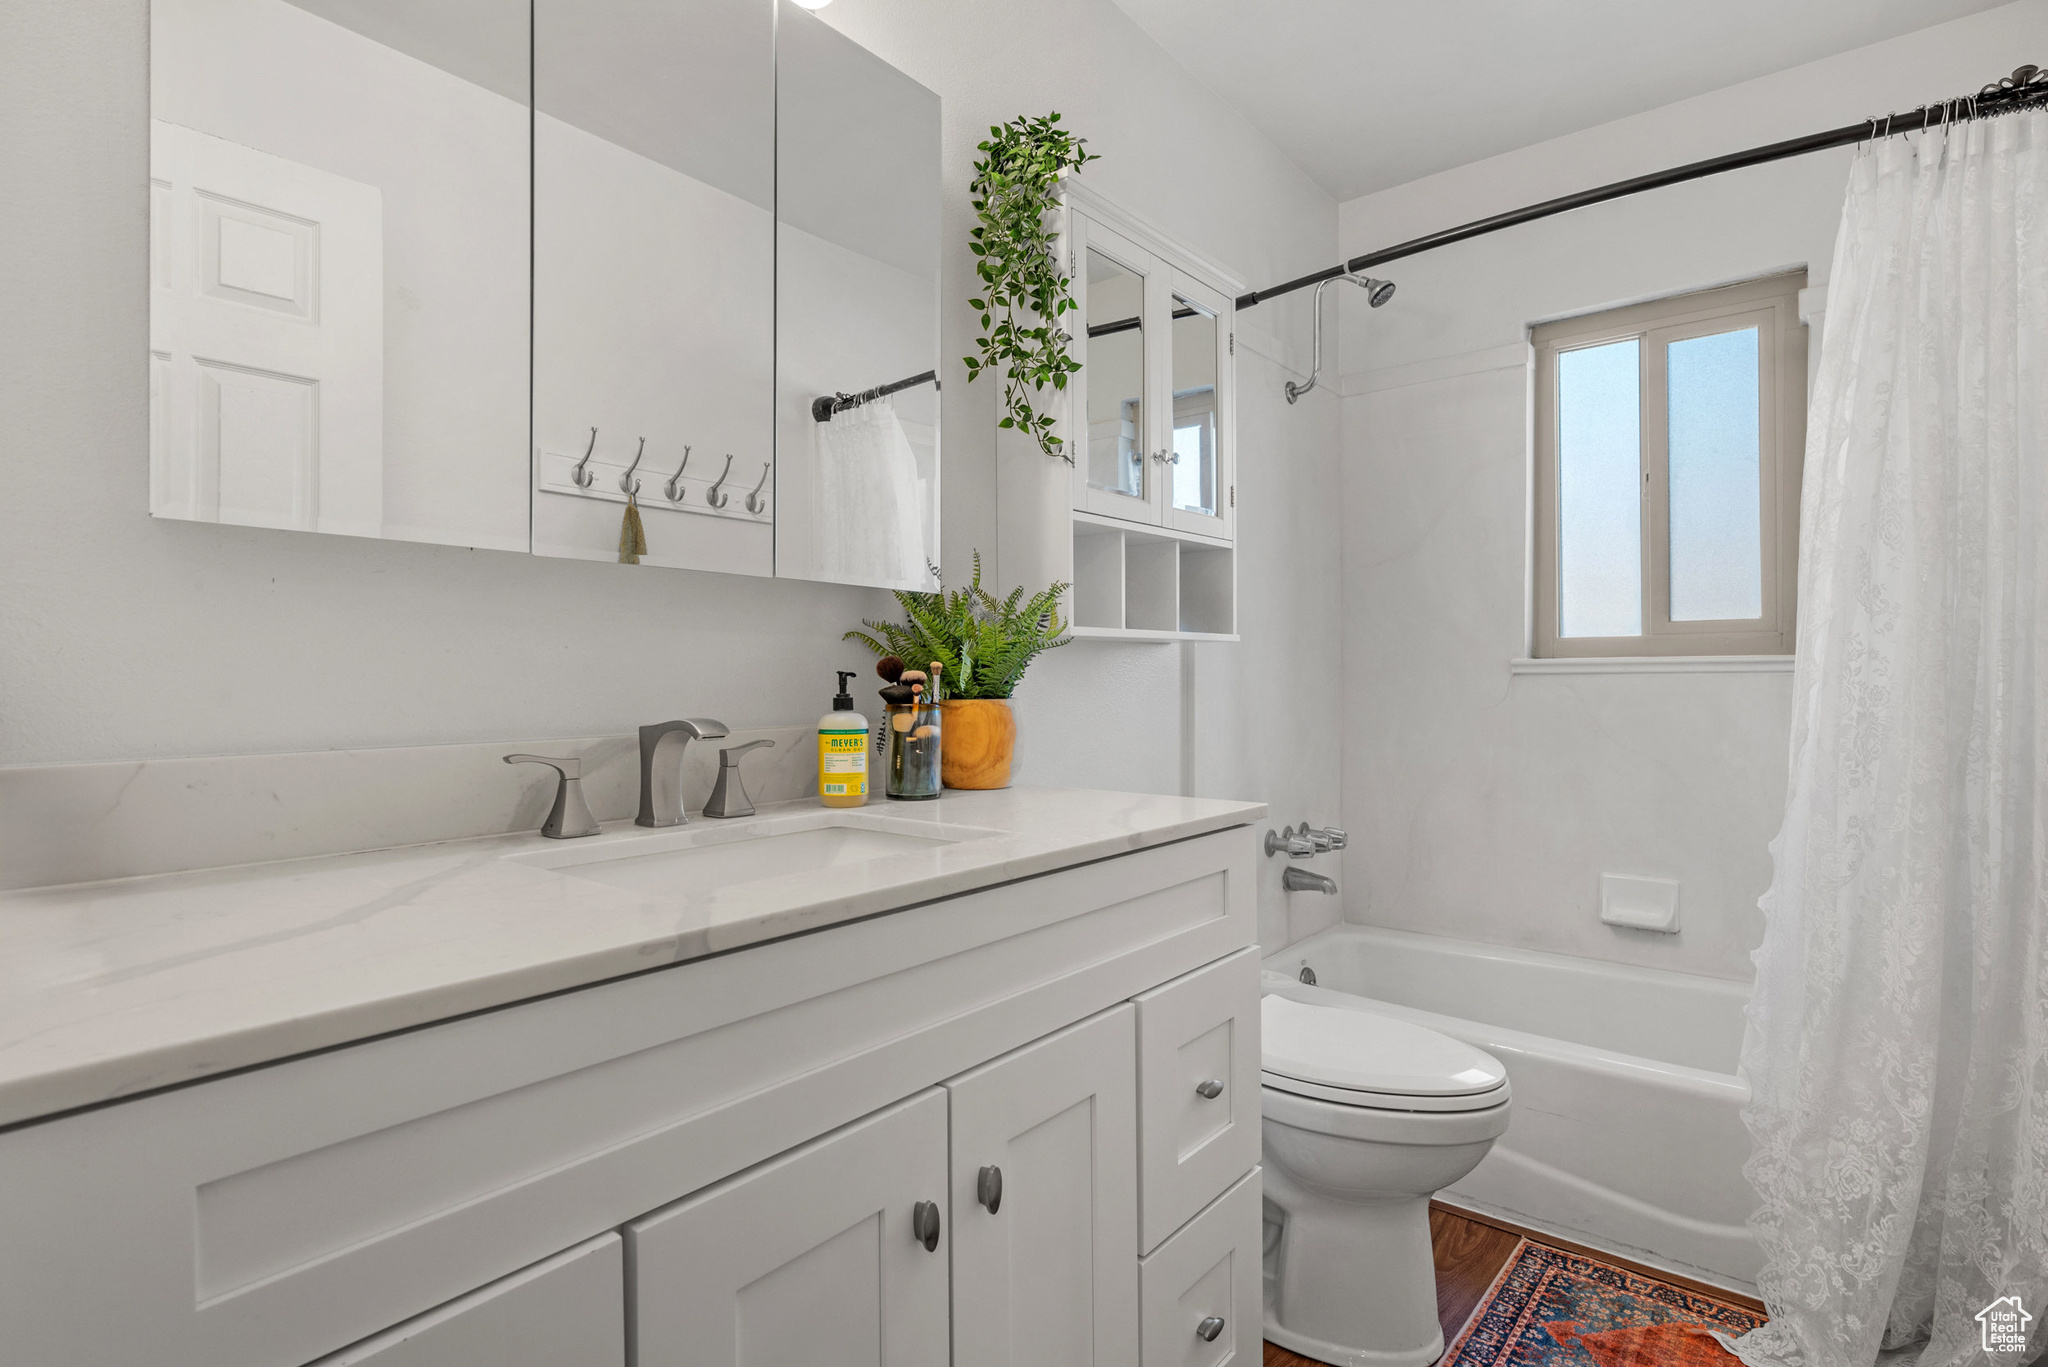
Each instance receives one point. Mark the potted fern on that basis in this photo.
(982, 645)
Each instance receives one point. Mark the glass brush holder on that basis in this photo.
(913, 737)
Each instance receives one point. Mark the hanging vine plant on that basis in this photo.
(1024, 293)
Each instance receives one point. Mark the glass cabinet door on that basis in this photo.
(1112, 448)
(1197, 491)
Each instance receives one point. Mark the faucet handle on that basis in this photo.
(570, 817)
(729, 795)
(1286, 842)
(729, 757)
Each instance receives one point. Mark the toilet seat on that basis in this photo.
(1356, 1058)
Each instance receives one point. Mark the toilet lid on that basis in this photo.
(1360, 1052)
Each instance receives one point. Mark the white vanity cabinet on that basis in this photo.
(759, 1127)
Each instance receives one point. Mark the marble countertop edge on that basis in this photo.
(112, 990)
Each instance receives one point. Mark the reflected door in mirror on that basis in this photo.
(339, 266)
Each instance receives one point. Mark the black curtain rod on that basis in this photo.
(2026, 86)
(1126, 324)
(825, 405)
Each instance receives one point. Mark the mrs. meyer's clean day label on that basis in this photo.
(843, 751)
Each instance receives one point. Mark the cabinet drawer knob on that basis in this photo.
(1209, 1091)
(1209, 1328)
(988, 1188)
(924, 1225)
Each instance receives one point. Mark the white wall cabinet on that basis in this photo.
(1144, 521)
(1049, 1276)
(761, 1126)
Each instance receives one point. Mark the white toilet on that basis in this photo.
(1366, 1118)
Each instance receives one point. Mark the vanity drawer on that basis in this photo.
(1208, 1271)
(1197, 1035)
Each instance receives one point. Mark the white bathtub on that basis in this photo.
(1626, 1126)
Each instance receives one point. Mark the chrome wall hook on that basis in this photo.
(629, 486)
(585, 478)
(712, 495)
(674, 488)
(755, 503)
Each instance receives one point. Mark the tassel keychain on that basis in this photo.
(632, 535)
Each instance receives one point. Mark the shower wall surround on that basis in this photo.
(125, 637)
(1560, 777)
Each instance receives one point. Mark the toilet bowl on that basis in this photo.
(1365, 1118)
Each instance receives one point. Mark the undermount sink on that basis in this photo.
(702, 858)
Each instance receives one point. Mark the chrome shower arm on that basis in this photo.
(1377, 293)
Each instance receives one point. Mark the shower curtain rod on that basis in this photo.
(2026, 86)
(825, 405)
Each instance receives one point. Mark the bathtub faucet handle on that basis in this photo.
(1288, 843)
(1329, 838)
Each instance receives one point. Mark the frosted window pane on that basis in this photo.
(1599, 503)
(1716, 494)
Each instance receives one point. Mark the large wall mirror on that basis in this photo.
(654, 280)
(339, 267)
(857, 313)
(482, 272)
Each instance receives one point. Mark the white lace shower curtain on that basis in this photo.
(1898, 1037)
(871, 501)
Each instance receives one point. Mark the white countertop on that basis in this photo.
(115, 988)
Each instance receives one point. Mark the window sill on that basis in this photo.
(1655, 664)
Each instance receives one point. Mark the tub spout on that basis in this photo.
(1301, 880)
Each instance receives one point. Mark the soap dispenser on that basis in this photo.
(843, 751)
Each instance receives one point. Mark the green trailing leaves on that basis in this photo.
(982, 642)
(1015, 189)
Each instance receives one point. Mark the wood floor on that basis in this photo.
(1470, 1252)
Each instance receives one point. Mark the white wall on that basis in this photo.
(1486, 805)
(123, 637)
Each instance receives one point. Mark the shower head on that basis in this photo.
(1377, 292)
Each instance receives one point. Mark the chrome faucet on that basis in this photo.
(661, 767)
(729, 794)
(1301, 880)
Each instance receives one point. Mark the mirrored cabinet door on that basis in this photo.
(857, 313)
(654, 280)
(1115, 467)
(1198, 489)
(339, 266)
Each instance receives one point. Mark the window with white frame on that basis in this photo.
(1668, 444)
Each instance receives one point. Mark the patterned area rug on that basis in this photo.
(1554, 1309)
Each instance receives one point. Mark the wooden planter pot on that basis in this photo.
(979, 736)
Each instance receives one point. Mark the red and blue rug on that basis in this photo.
(1549, 1308)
